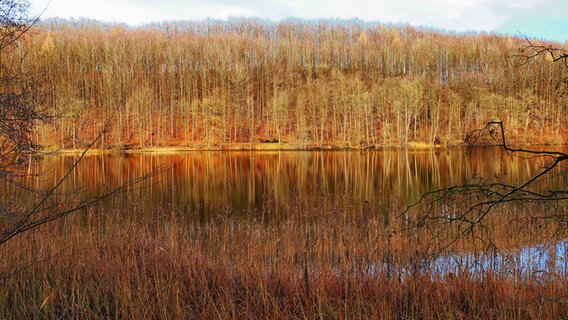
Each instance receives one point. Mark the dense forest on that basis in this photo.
(295, 84)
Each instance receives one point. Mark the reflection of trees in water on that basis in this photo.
(348, 198)
(255, 180)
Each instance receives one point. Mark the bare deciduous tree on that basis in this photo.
(18, 111)
(19, 114)
(470, 203)
(468, 206)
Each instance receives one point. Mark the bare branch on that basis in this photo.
(532, 50)
(19, 116)
(468, 205)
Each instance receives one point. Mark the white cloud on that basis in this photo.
(452, 15)
(104, 10)
(524, 4)
(457, 15)
(196, 10)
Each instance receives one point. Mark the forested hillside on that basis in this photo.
(300, 83)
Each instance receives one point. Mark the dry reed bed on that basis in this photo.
(326, 261)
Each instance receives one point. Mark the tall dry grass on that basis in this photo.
(325, 261)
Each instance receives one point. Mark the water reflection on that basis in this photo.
(242, 181)
(370, 185)
(526, 262)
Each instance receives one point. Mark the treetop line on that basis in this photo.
(300, 83)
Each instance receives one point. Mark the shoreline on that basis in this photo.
(271, 147)
(246, 147)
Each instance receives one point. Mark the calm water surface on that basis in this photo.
(193, 181)
(196, 184)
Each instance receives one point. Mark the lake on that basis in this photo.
(363, 190)
(193, 181)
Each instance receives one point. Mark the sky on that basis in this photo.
(536, 19)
